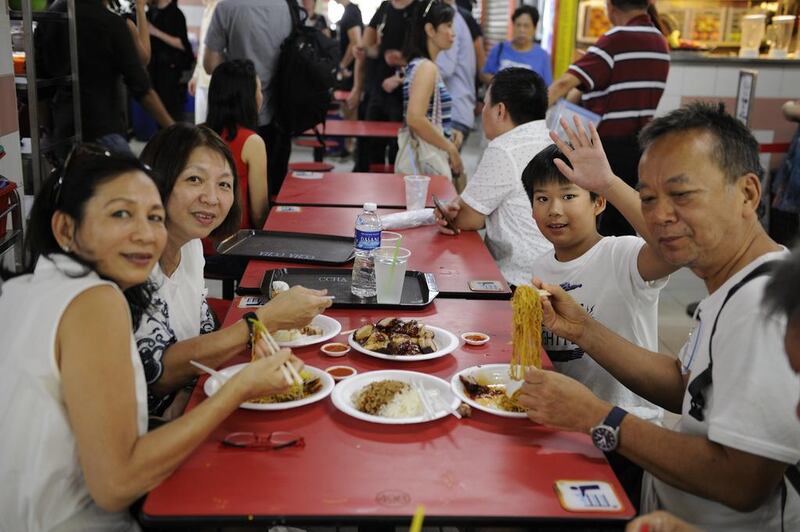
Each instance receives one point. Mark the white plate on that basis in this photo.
(213, 385)
(490, 374)
(445, 340)
(330, 328)
(343, 395)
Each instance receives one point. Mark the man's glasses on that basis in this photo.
(273, 440)
(78, 151)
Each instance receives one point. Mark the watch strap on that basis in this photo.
(249, 318)
(614, 418)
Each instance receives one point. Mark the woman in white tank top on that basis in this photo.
(73, 413)
(196, 173)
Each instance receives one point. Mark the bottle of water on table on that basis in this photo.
(367, 240)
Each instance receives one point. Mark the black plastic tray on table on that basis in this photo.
(288, 247)
(419, 288)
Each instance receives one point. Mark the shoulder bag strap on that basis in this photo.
(701, 382)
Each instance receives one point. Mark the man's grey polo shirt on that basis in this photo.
(254, 30)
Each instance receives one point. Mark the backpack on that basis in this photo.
(305, 76)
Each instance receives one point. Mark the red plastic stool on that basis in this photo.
(311, 166)
(314, 143)
(382, 168)
(319, 149)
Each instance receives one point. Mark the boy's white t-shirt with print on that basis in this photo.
(614, 294)
(750, 405)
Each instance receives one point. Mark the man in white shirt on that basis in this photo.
(723, 465)
(513, 121)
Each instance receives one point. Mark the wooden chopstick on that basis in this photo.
(289, 373)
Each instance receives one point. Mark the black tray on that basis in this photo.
(289, 247)
(419, 288)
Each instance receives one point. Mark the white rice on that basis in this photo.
(403, 405)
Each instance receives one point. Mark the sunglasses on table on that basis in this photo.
(252, 440)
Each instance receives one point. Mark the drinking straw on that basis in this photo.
(416, 522)
(394, 261)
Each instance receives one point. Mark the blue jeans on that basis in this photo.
(115, 143)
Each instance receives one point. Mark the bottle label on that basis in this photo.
(367, 240)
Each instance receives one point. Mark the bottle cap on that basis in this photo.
(370, 206)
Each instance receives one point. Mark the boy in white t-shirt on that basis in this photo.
(616, 279)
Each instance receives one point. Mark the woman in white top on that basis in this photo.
(195, 171)
(426, 100)
(75, 451)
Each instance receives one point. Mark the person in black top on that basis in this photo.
(350, 26)
(383, 40)
(106, 54)
(171, 54)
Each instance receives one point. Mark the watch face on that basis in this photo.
(604, 438)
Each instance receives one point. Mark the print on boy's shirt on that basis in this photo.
(560, 349)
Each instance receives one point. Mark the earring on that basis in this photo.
(65, 247)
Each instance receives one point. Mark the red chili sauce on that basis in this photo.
(340, 372)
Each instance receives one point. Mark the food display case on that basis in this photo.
(700, 24)
(706, 25)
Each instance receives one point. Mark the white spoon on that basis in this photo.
(221, 377)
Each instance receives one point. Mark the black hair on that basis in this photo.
(434, 12)
(68, 189)
(542, 170)
(232, 97)
(779, 296)
(735, 149)
(526, 10)
(522, 91)
(629, 5)
(168, 153)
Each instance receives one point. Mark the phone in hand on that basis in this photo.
(449, 222)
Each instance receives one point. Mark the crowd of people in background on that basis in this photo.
(618, 207)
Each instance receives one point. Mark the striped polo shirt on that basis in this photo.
(623, 76)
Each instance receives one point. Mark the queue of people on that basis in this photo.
(123, 238)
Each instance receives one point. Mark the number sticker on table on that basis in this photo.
(587, 496)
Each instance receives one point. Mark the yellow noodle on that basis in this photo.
(258, 332)
(526, 335)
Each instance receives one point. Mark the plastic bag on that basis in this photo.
(408, 219)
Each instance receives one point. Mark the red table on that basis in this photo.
(359, 128)
(350, 189)
(454, 260)
(482, 470)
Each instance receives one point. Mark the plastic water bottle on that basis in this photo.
(367, 239)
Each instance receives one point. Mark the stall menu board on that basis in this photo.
(592, 20)
(707, 25)
(596, 23)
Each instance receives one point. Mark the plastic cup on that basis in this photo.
(390, 238)
(390, 272)
(416, 191)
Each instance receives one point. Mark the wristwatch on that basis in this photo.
(605, 436)
(249, 318)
